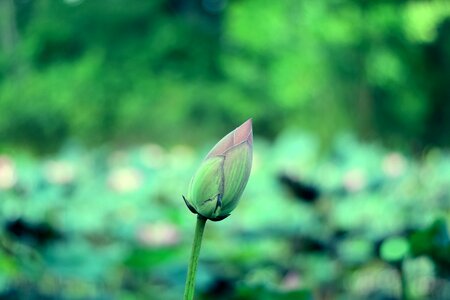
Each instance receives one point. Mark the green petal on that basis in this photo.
(206, 187)
(237, 166)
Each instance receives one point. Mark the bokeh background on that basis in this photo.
(107, 108)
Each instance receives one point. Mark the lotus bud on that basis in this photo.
(219, 182)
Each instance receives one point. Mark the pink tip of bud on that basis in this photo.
(243, 133)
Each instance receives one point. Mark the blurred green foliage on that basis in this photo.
(361, 223)
(116, 97)
(125, 71)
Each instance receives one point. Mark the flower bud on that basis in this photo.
(219, 182)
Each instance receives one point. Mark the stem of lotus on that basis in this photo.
(193, 262)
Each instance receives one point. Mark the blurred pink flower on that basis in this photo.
(158, 235)
(125, 180)
(59, 172)
(291, 281)
(8, 174)
(354, 180)
(394, 164)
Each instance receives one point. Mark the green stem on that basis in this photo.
(193, 262)
(404, 282)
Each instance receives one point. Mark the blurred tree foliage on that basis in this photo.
(126, 70)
